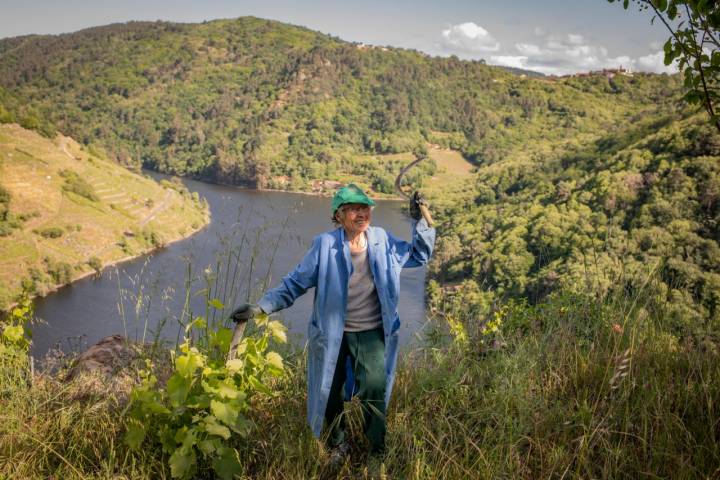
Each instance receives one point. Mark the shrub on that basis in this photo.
(50, 232)
(5, 229)
(95, 263)
(74, 183)
(4, 203)
(60, 272)
(206, 401)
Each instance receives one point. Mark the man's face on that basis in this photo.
(355, 217)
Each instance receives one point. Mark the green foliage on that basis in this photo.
(50, 232)
(95, 263)
(254, 102)
(15, 334)
(78, 185)
(5, 198)
(200, 413)
(598, 215)
(61, 273)
(693, 43)
(7, 221)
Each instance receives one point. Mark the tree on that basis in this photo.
(694, 43)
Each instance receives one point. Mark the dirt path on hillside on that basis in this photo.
(63, 147)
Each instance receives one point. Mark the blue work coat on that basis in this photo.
(327, 267)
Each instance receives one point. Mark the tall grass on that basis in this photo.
(579, 386)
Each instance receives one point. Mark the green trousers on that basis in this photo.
(367, 358)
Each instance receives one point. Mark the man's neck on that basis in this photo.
(357, 240)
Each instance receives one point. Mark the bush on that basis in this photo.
(203, 409)
(5, 229)
(95, 263)
(4, 203)
(60, 272)
(50, 232)
(74, 183)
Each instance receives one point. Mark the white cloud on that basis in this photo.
(470, 38)
(561, 56)
(517, 61)
(575, 39)
(551, 54)
(655, 62)
(528, 49)
(572, 54)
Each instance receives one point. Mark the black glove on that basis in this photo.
(244, 312)
(416, 200)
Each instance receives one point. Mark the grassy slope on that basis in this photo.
(29, 166)
(574, 388)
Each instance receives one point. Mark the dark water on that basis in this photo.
(146, 296)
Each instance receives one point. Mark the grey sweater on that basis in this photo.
(363, 308)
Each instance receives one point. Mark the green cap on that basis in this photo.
(350, 194)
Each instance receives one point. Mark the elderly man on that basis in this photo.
(353, 331)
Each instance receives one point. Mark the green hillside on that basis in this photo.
(250, 101)
(578, 179)
(573, 322)
(65, 211)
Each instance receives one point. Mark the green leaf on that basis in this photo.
(185, 436)
(135, 434)
(224, 412)
(178, 388)
(153, 406)
(199, 322)
(660, 4)
(216, 303)
(199, 402)
(261, 319)
(235, 365)
(278, 331)
(275, 362)
(209, 445)
(187, 364)
(214, 428)
(258, 386)
(715, 60)
(227, 463)
(14, 333)
(167, 438)
(222, 338)
(182, 463)
(228, 391)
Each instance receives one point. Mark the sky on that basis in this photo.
(548, 36)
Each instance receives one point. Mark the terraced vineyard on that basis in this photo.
(69, 205)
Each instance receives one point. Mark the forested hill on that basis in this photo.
(587, 183)
(258, 102)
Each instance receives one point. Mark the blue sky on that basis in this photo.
(551, 36)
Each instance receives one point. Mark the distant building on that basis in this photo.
(605, 72)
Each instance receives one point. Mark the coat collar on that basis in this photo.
(344, 243)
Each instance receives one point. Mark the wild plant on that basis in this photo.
(202, 410)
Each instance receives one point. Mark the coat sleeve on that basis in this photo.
(295, 283)
(418, 252)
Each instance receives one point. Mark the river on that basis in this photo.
(253, 237)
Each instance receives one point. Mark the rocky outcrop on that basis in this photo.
(107, 358)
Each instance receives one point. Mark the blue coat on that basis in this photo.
(327, 266)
